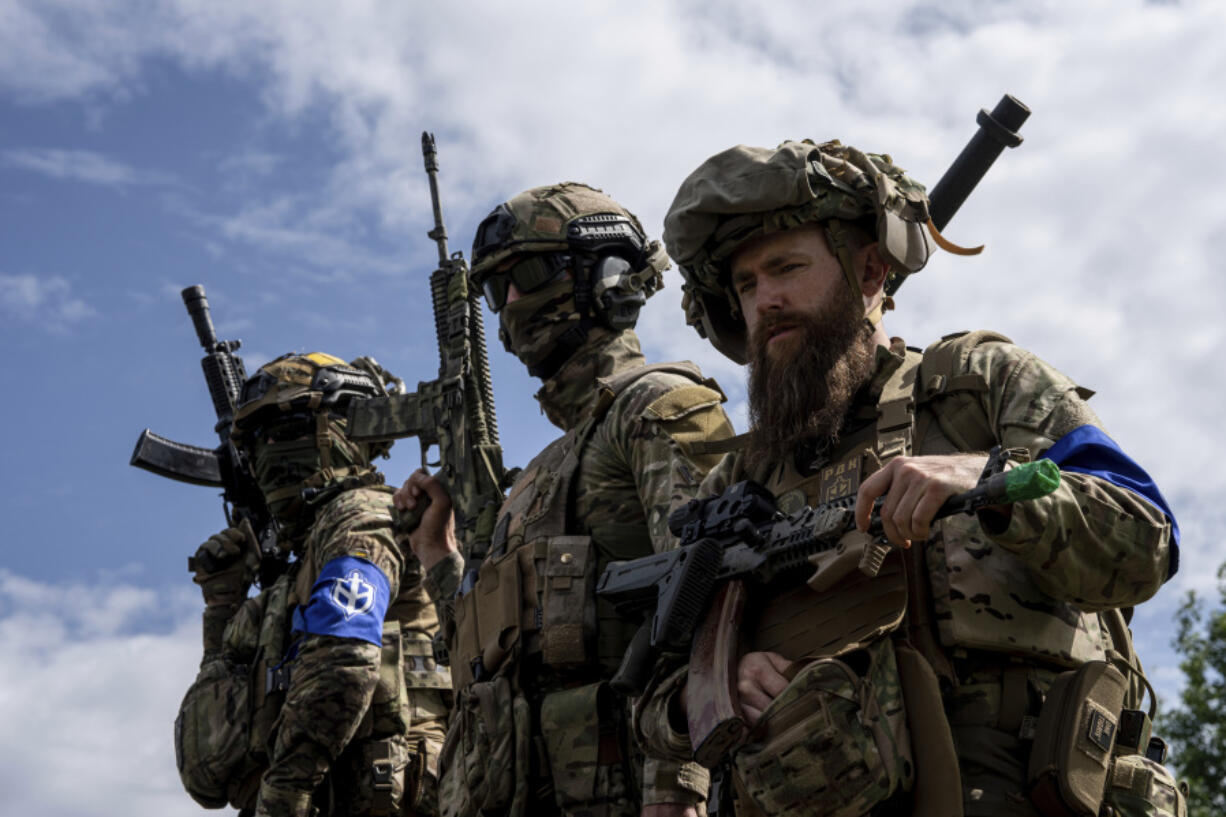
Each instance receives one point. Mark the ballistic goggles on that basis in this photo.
(529, 273)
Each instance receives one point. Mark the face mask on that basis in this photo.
(532, 326)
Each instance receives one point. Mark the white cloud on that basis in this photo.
(1101, 234)
(1103, 230)
(81, 166)
(46, 302)
(90, 690)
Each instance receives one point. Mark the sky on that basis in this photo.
(271, 152)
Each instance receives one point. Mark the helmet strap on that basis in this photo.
(837, 237)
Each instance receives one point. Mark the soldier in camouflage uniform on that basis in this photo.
(361, 706)
(788, 255)
(537, 728)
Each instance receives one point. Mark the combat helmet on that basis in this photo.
(745, 192)
(290, 425)
(536, 237)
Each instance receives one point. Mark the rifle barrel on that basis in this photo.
(439, 233)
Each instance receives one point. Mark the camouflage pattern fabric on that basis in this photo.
(537, 223)
(745, 192)
(1139, 787)
(328, 724)
(632, 471)
(1023, 596)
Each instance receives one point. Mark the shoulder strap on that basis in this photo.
(553, 523)
(954, 395)
(610, 387)
(896, 410)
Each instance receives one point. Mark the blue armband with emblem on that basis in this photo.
(1088, 450)
(349, 600)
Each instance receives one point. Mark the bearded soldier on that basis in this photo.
(349, 708)
(537, 729)
(788, 256)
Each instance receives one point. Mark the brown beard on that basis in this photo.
(802, 392)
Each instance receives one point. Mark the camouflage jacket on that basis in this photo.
(326, 718)
(1030, 591)
(634, 468)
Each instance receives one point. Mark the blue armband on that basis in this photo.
(1088, 450)
(349, 600)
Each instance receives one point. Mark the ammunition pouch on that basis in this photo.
(1140, 787)
(568, 620)
(545, 590)
(484, 767)
(487, 621)
(834, 743)
(581, 728)
(1073, 743)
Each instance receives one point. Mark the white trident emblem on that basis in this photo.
(353, 594)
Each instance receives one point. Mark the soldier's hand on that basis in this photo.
(914, 489)
(759, 680)
(434, 537)
(225, 565)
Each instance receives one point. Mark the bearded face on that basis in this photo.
(802, 383)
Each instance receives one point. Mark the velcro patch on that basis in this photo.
(1101, 730)
(348, 600)
(681, 401)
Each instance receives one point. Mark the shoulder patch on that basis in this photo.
(681, 401)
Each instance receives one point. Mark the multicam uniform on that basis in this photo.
(1008, 608)
(345, 715)
(322, 689)
(539, 731)
(972, 624)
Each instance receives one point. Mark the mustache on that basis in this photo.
(772, 323)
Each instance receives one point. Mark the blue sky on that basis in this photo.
(271, 153)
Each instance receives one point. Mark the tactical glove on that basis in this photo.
(225, 565)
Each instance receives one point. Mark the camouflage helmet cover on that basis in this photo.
(307, 382)
(745, 192)
(557, 218)
(309, 394)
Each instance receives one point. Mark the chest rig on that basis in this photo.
(804, 623)
(534, 594)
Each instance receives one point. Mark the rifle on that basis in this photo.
(740, 536)
(225, 466)
(454, 412)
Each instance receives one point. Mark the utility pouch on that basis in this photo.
(581, 729)
(1140, 787)
(211, 733)
(271, 668)
(1074, 739)
(389, 706)
(484, 767)
(568, 630)
(370, 777)
(467, 639)
(834, 743)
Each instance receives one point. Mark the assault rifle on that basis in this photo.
(224, 466)
(740, 536)
(454, 412)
